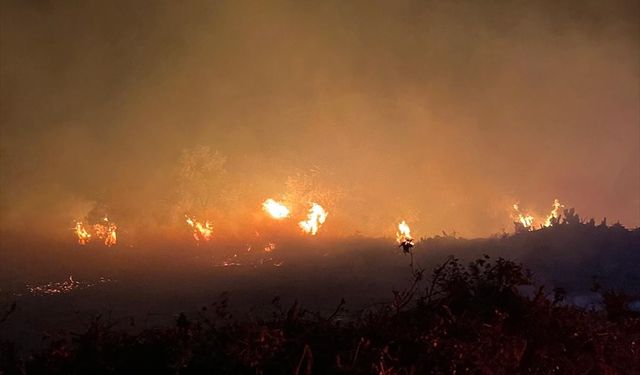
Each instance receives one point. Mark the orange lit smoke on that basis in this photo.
(276, 209)
(315, 218)
(201, 231)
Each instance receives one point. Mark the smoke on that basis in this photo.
(440, 113)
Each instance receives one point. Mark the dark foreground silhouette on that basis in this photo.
(486, 317)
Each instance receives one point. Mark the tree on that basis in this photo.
(201, 179)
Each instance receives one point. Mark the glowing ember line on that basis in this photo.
(315, 218)
(276, 209)
(62, 287)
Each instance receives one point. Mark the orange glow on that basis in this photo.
(276, 209)
(201, 231)
(315, 218)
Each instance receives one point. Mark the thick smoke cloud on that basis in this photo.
(441, 113)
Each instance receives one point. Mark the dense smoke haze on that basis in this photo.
(440, 113)
(351, 187)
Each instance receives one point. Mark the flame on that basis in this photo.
(315, 218)
(83, 235)
(106, 231)
(554, 214)
(526, 220)
(276, 209)
(201, 231)
(404, 233)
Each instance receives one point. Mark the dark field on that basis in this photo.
(139, 289)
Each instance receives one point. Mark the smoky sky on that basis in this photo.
(441, 113)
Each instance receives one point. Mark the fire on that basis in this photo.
(83, 235)
(106, 231)
(276, 209)
(201, 231)
(403, 236)
(554, 214)
(315, 218)
(404, 232)
(526, 220)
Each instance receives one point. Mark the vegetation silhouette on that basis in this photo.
(472, 318)
(566, 254)
(484, 315)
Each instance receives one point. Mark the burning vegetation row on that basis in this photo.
(105, 231)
